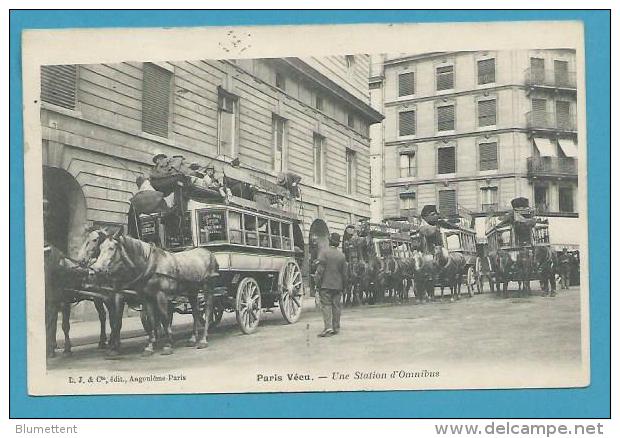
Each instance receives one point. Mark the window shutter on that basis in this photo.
(445, 118)
(406, 84)
(406, 123)
(447, 203)
(445, 78)
(156, 100)
(562, 113)
(59, 85)
(487, 112)
(446, 162)
(486, 71)
(561, 72)
(488, 156)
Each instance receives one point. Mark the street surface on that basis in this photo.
(485, 329)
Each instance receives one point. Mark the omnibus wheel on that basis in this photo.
(291, 291)
(248, 305)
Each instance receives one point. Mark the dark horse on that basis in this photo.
(449, 268)
(393, 279)
(546, 263)
(502, 266)
(60, 273)
(158, 276)
(359, 282)
(424, 276)
(523, 270)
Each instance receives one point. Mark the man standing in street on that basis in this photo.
(331, 279)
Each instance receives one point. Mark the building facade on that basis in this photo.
(102, 124)
(473, 130)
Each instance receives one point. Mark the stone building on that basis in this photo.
(473, 130)
(102, 124)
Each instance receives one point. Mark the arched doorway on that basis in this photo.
(66, 210)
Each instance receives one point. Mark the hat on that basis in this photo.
(427, 210)
(158, 156)
(334, 239)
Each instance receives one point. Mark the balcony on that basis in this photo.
(550, 79)
(551, 167)
(550, 121)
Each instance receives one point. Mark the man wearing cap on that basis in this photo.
(162, 166)
(429, 228)
(331, 278)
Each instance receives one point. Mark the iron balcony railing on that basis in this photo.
(552, 167)
(548, 120)
(550, 78)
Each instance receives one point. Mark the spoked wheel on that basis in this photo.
(471, 281)
(291, 291)
(248, 308)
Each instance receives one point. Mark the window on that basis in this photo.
(488, 196)
(562, 114)
(234, 227)
(406, 84)
(156, 89)
(445, 118)
(453, 242)
(287, 242)
(560, 69)
(447, 203)
(539, 112)
(351, 170)
(263, 232)
(566, 203)
(487, 112)
(446, 160)
(504, 238)
(278, 131)
(537, 70)
(407, 164)
(280, 81)
(488, 156)
(318, 158)
(540, 198)
(486, 71)
(318, 102)
(59, 85)
(212, 226)
(406, 122)
(227, 124)
(350, 120)
(445, 78)
(350, 61)
(408, 204)
(249, 226)
(276, 235)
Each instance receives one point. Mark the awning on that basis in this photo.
(569, 147)
(545, 147)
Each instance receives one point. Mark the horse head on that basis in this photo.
(113, 255)
(89, 251)
(441, 256)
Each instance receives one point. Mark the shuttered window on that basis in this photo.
(446, 160)
(156, 99)
(406, 84)
(488, 156)
(537, 70)
(486, 71)
(445, 78)
(487, 112)
(279, 156)
(560, 69)
(562, 114)
(227, 112)
(406, 122)
(445, 118)
(59, 85)
(447, 203)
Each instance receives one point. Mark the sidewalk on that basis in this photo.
(87, 332)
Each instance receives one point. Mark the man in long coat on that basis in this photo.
(331, 278)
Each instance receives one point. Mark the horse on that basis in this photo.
(449, 269)
(545, 261)
(159, 275)
(502, 265)
(359, 282)
(60, 272)
(407, 268)
(393, 280)
(523, 270)
(424, 276)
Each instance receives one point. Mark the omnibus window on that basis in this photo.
(276, 239)
(384, 248)
(453, 242)
(212, 226)
(287, 242)
(263, 232)
(234, 227)
(249, 225)
(504, 238)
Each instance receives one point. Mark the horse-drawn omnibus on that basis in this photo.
(258, 246)
(460, 238)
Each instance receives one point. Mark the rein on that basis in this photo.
(146, 273)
